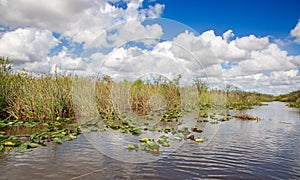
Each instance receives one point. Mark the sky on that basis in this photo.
(252, 45)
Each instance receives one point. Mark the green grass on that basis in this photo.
(292, 98)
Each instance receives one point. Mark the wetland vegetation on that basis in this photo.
(38, 110)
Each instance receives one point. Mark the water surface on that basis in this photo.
(265, 149)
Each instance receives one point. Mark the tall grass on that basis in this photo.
(44, 98)
(39, 99)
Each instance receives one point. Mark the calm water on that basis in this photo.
(267, 149)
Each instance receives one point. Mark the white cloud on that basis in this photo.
(54, 15)
(296, 60)
(251, 42)
(77, 21)
(25, 45)
(227, 35)
(65, 62)
(271, 58)
(221, 48)
(130, 31)
(81, 21)
(278, 82)
(191, 47)
(296, 32)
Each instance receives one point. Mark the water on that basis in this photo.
(265, 149)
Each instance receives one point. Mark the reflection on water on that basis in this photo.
(267, 149)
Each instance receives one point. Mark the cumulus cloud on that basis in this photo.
(271, 58)
(129, 31)
(26, 45)
(81, 21)
(134, 62)
(296, 60)
(251, 42)
(227, 35)
(194, 48)
(53, 15)
(221, 48)
(296, 32)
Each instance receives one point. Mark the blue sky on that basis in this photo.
(256, 44)
(273, 18)
(260, 17)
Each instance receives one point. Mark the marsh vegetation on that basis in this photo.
(43, 107)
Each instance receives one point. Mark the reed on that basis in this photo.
(45, 98)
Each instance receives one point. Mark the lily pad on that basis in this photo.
(22, 149)
(135, 131)
(152, 129)
(196, 129)
(132, 146)
(144, 140)
(199, 140)
(164, 137)
(150, 146)
(202, 120)
(165, 144)
(177, 138)
(32, 145)
(57, 140)
(9, 143)
(71, 137)
(167, 130)
(204, 115)
(185, 131)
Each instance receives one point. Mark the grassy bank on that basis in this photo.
(292, 98)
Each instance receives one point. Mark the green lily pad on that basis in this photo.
(167, 130)
(204, 115)
(132, 147)
(178, 138)
(185, 131)
(33, 145)
(57, 140)
(202, 120)
(165, 144)
(22, 149)
(164, 137)
(124, 131)
(149, 146)
(152, 129)
(135, 131)
(71, 137)
(225, 119)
